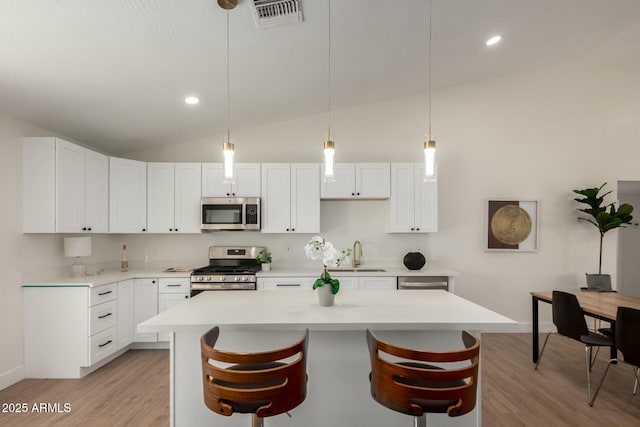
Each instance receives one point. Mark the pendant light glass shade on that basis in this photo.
(430, 160)
(329, 152)
(228, 150)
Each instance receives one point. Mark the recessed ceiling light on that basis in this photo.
(191, 100)
(493, 40)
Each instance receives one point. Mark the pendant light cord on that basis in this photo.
(429, 67)
(228, 85)
(329, 72)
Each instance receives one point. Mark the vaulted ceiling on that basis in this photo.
(114, 74)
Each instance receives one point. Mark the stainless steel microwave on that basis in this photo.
(230, 213)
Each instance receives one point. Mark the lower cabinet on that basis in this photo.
(346, 282)
(171, 292)
(125, 313)
(145, 306)
(273, 283)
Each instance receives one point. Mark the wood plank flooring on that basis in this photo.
(133, 390)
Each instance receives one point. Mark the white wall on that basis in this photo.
(628, 249)
(536, 136)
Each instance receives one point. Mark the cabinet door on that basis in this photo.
(127, 196)
(343, 186)
(347, 282)
(378, 282)
(187, 197)
(125, 313)
(160, 197)
(402, 198)
(305, 198)
(96, 193)
(69, 187)
(145, 292)
(212, 181)
(247, 180)
(426, 202)
(372, 180)
(38, 185)
(165, 302)
(276, 198)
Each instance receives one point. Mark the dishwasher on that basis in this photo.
(423, 282)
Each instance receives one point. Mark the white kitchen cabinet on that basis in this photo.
(414, 202)
(290, 198)
(127, 196)
(366, 282)
(246, 180)
(82, 189)
(145, 296)
(165, 302)
(68, 330)
(125, 313)
(358, 181)
(173, 197)
(65, 187)
(279, 283)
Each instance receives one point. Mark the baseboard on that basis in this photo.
(11, 377)
(149, 345)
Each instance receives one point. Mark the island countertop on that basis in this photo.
(353, 310)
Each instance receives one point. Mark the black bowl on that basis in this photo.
(414, 260)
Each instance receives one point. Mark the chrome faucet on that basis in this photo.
(355, 260)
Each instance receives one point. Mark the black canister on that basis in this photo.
(414, 260)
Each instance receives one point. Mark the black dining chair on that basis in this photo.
(570, 322)
(627, 328)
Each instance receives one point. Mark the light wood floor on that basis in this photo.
(133, 390)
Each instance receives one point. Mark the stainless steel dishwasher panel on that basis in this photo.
(423, 282)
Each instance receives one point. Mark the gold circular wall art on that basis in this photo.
(511, 224)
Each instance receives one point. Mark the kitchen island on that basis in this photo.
(338, 364)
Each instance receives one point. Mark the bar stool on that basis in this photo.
(261, 384)
(416, 388)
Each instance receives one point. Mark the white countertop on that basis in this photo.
(106, 277)
(388, 271)
(353, 310)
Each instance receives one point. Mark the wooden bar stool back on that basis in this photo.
(261, 384)
(415, 388)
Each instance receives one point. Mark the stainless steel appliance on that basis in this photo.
(230, 213)
(230, 268)
(423, 282)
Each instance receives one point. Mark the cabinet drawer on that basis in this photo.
(102, 344)
(377, 282)
(103, 293)
(286, 283)
(102, 316)
(179, 285)
(347, 282)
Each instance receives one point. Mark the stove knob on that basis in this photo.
(236, 278)
(245, 279)
(208, 279)
(223, 278)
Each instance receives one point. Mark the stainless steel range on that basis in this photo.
(230, 268)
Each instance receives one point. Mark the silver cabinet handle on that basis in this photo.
(288, 285)
(174, 285)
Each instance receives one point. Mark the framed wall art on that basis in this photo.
(511, 225)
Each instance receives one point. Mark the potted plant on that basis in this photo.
(264, 259)
(605, 218)
(318, 248)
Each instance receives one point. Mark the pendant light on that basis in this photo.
(227, 147)
(430, 143)
(329, 145)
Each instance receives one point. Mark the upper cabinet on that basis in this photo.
(65, 187)
(173, 197)
(246, 180)
(82, 189)
(127, 196)
(290, 198)
(414, 202)
(358, 181)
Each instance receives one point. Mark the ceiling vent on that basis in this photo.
(271, 13)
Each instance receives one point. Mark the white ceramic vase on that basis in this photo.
(266, 266)
(325, 296)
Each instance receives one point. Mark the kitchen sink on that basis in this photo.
(356, 270)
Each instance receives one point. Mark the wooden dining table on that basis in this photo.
(599, 305)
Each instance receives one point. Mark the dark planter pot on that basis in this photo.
(599, 282)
